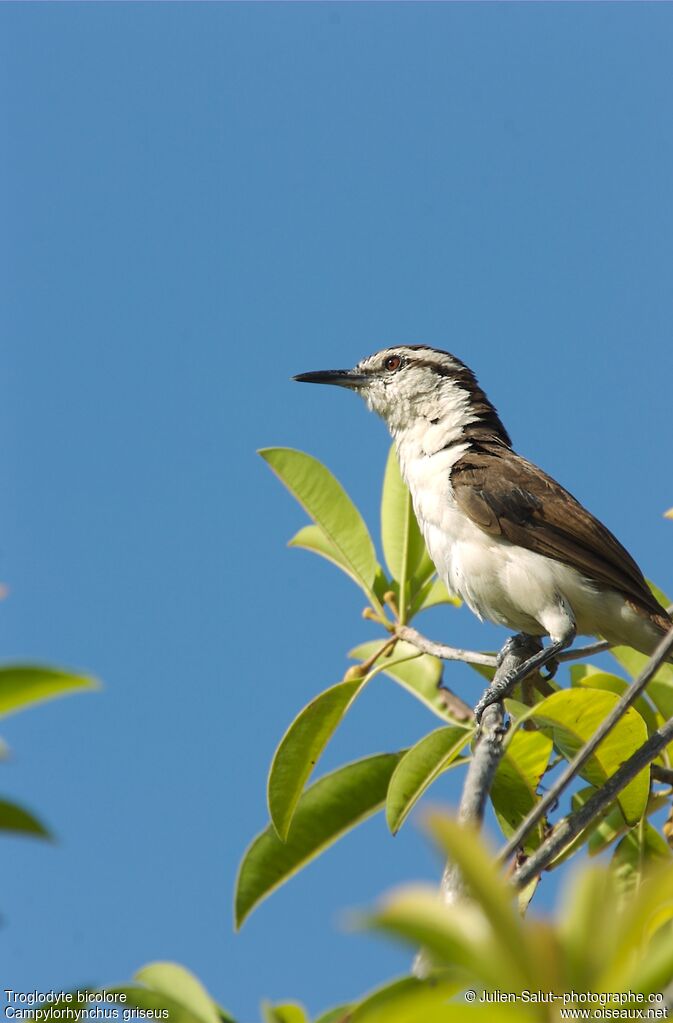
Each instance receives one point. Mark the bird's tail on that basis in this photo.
(639, 627)
(660, 624)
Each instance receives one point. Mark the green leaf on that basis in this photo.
(594, 679)
(573, 716)
(408, 1000)
(577, 801)
(653, 972)
(635, 854)
(60, 1008)
(644, 919)
(578, 672)
(420, 674)
(603, 832)
(587, 928)
(418, 769)
(403, 545)
(156, 1002)
(386, 996)
(524, 895)
(518, 712)
(458, 937)
(431, 1005)
(612, 825)
(290, 1012)
(431, 595)
(175, 982)
(606, 941)
(312, 538)
(483, 669)
(631, 660)
(329, 808)
(514, 791)
(301, 747)
(487, 888)
(14, 818)
(340, 1014)
(328, 504)
(660, 691)
(648, 926)
(305, 740)
(24, 684)
(659, 688)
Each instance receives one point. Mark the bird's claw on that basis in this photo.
(506, 649)
(495, 693)
(550, 669)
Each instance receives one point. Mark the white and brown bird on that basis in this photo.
(518, 548)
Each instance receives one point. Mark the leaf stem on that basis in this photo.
(366, 666)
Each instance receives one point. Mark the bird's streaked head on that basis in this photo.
(409, 383)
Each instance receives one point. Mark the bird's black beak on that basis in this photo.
(340, 377)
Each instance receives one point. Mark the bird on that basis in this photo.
(514, 544)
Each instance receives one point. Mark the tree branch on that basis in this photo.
(568, 829)
(453, 703)
(488, 751)
(450, 653)
(488, 748)
(662, 774)
(486, 755)
(445, 653)
(575, 653)
(578, 761)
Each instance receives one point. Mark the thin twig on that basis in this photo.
(575, 653)
(487, 752)
(446, 653)
(576, 764)
(662, 774)
(450, 653)
(486, 755)
(568, 829)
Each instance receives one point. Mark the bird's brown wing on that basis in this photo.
(505, 495)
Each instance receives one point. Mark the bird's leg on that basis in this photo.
(504, 686)
(512, 642)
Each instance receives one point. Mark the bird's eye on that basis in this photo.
(392, 363)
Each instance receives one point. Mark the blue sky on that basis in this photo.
(198, 202)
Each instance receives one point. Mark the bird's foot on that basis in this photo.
(507, 648)
(496, 691)
(537, 658)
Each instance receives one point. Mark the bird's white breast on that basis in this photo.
(498, 580)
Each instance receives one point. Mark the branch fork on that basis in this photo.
(488, 751)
